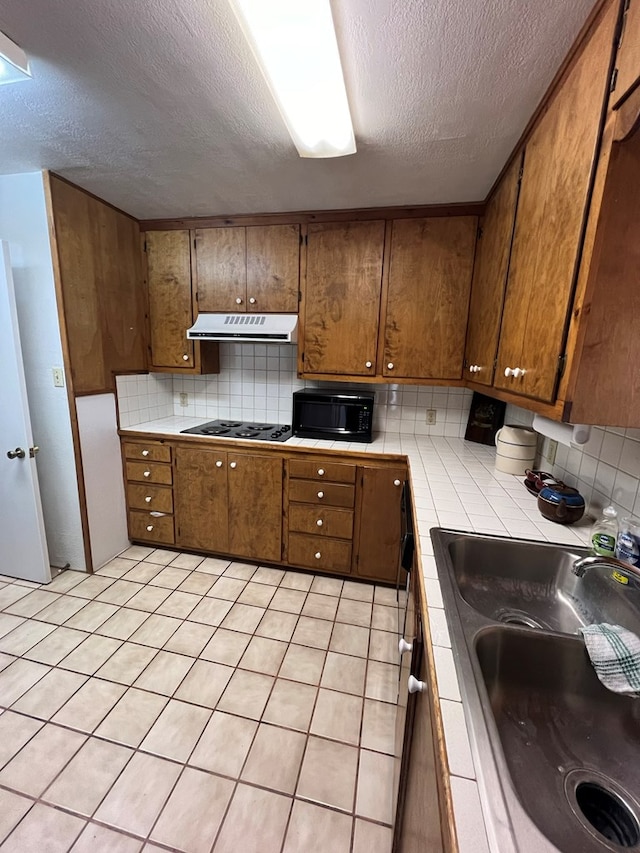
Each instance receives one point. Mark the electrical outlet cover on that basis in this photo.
(431, 416)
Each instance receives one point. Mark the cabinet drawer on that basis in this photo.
(314, 552)
(304, 518)
(159, 498)
(149, 472)
(333, 471)
(332, 494)
(153, 452)
(143, 525)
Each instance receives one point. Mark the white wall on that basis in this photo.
(23, 223)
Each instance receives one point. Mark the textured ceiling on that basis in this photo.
(158, 106)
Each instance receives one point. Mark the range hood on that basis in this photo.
(251, 328)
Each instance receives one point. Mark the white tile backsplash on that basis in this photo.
(144, 397)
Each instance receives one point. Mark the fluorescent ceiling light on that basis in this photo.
(295, 44)
(14, 65)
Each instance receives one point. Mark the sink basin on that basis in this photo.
(557, 755)
(532, 584)
(567, 740)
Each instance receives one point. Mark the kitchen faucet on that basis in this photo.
(583, 564)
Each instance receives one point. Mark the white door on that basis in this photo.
(23, 544)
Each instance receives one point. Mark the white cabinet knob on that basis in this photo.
(185, 357)
(319, 522)
(218, 464)
(390, 366)
(145, 452)
(320, 472)
(147, 499)
(474, 368)
(368, 364)
(508, 371)
(519, 371)
(232, 464)
(238, 301)
(415, 686)
(252, 301)
(396, 482)
(317, 555)
(147, 473)
(149, 527)
(320, 495)
(403, 646)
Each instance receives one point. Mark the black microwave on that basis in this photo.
(334, 415)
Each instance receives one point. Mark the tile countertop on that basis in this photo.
(454, 485)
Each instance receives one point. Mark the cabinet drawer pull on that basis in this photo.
(218, 464)
(403, 646)
(147, 474)
(252, 301)
(147, 499)
(320, 495)
(396, 482)
(320, 472)
(414, 685)
(149, 527)
(317, 555)
(185, 357)
(238, 301)
(368, 364)
(518, 372)
(145, 452)
(319, 522)
(390, 366)
(232, 464)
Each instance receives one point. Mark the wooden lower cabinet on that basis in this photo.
(378, 526)
(149, 491)
(229, 503)
(316, 552)
(143, 525)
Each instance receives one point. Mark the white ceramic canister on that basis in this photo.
(515, 449)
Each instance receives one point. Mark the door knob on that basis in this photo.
(18, 453)
(415, 686)
(403, 646)
(33, 450)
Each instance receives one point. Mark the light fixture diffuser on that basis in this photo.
(14, 65)
(295, 44)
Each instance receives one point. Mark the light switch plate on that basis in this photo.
(184, 399)
(58, 377)
(552, 449)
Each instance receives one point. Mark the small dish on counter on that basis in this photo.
(560, 503)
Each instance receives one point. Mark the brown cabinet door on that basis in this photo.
(430, 270)
(255, 506)
(200, 499)
(379, 502)
(273, 268)
(628, 58)
(220, 269)
(342, 298)
(490, 277)
(170, 307)
(559, 161)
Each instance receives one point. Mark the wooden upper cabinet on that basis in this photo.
(559, 162)
(342, 298)
(254, 269)
(628, 56)
(100, 286)
(220, 269)
(170, 307)
(273, 268)
(430, 268)
(490, 277)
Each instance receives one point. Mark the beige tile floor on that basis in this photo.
(171, 702)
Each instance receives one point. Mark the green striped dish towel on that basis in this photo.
(615, 655)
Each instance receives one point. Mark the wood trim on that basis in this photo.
(472, 208)
(381, 380)
(384, 295)
(302, 299)
(92, 195)
(567, 63)
(628, 117)
(73, 414)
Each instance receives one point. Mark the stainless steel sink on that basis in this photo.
(532, 584)
(557, 755)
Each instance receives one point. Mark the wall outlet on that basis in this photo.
(431, 416)
(184, 399)
(58, 377)
(552, 449)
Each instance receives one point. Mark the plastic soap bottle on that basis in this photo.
(604, 533)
